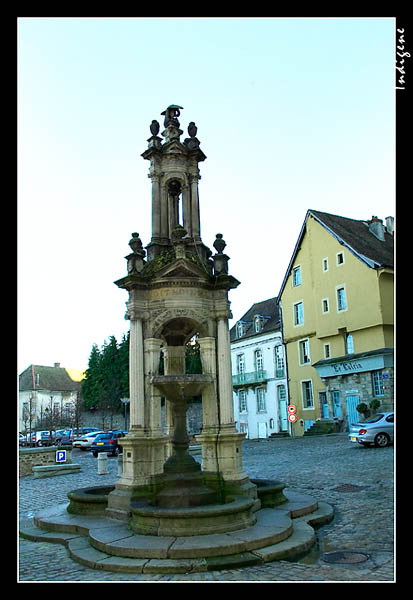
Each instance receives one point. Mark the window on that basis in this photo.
(325, 265)
(340, 258)
(240, 328)
(307, 394)
(258, 323)
(324, 305)
(243, 428)
(296, 276)
(304, 352)
(349, 344)
(242, 399)
(327, 353)
(260, 400)
(240, 364)
(279, 361)
(258, 360)
(298, 314)
(377, 383)
(341, 299)
(281, 393)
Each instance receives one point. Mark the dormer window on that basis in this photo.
(240, 328)
(258, 323)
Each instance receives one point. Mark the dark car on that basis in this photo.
(107, 442)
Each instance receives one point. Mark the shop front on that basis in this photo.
(354, 379)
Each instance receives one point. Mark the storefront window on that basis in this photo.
(377, 383)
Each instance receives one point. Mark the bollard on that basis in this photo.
(102, 463)
(120, 464)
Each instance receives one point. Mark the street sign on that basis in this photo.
(292, 417)
(292, 409)
(60, 456)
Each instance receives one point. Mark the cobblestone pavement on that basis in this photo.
(357, 481)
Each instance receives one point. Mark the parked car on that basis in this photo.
(22, 439)
(378, 430)
(107, 442)
(84, 430)
(41, 438)
(64, 437)
(85, 441)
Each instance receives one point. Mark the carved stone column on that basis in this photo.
(152, 350)
(156, 208)
(136, 374)
(207, 347)
(196, 228)
(226, 402)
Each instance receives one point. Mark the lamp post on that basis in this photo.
(125, 402)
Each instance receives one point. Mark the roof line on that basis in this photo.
(370, 262)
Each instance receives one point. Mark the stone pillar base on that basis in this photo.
(222, 463)
(143, 460)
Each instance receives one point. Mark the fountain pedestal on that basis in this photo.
(182, 484)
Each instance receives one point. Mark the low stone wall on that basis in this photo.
(31, 457)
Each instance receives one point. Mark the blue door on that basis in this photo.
(336, 403)
(352, 415)
(322, 397)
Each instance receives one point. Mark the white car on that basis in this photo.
(40, 438)
(85, 441)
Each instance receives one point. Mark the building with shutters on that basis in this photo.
(259, 377)
(337, 302)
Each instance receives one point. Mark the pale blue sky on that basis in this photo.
(292, 113)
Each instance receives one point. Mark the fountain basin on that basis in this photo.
(90, 500)
(199, 520)
(176, 387)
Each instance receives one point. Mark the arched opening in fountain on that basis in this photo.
(182, 484)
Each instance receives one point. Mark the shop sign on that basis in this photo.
(347, 367)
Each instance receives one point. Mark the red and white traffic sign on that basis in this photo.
(292, 409)
(292, 417)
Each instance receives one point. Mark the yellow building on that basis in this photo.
(337, 314)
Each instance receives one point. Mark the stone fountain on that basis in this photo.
(166, 512)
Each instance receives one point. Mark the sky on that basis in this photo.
(292, 114)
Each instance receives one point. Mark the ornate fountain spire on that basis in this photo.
(175, 174)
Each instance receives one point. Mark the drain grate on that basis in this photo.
(349, 487)
(344, 557)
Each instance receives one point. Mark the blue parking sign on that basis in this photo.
(61, 456)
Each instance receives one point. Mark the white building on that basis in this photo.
(259, 375)
(46, 391)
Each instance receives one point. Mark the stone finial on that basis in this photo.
(220, 259)
(192, 129)
(219, 243)
(154, 127)
(155, 141)
(192, 143)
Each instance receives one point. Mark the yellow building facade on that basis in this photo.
(338, 318)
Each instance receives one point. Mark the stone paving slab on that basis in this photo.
(301, 539)
(135, 546)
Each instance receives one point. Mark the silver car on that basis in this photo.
(378, 430)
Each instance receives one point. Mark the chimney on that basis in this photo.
(376, 227)
(390, 225)
(57, 365)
